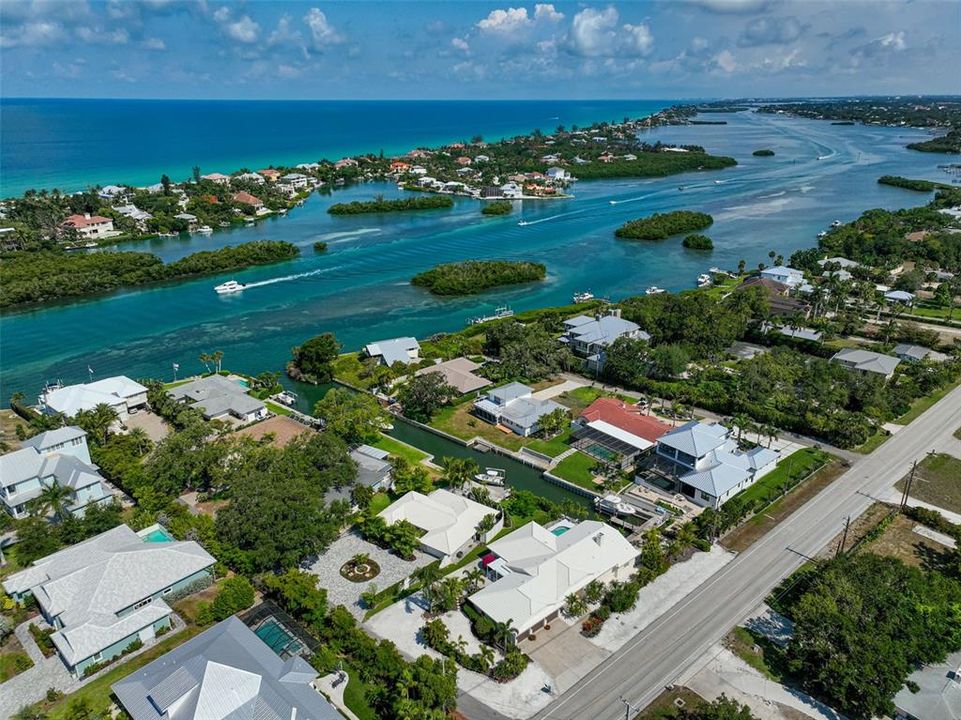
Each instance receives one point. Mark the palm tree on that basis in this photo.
(427, 576)
(459, 471)
(504, 634)
(770, 432)
(205, 359)
(140, 440)
(474, 577)
(486, 657)
(217, 356)
(53, 500)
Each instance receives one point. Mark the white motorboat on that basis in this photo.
(583, 297)
(522, 223)
(231, 286)
(822, 234)
(654, 290)
(287, 397)
(613, 505)
(703, 280)
(204, 230)
(836, 224)
(492, 476)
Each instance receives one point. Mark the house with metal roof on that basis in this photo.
(57, 457)
(535, 568)
(106, 593)
(225, 673)
(917, 353)
(119, 392)
(373, 467)
(708, 466)
(515, 407)
(795, 333)
(840, 262)
(938, 693)
(219, 398)
(785, 275)
(899, 296)
(459, 374)
(403, 350)
(449, 521)
(587, 337)
(866, 361)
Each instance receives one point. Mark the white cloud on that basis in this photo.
(546, 11)
(892, 41)
(321, 31)
(505, 21)
(288, 71)
(243, 30)
(639, 38)
(592, 31)
(41, 32)
(460, 44)
(733, 6)
(725, 60)
(100, 36)
(154, 44)
(770, 31)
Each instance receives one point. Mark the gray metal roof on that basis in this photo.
(20, 465)
(939, 696)
(603, 330)
(216, 395)
(509, 392)
(225, 673)
(696, 438)
(867, 360)
(54, 437)
(370, 470)
(395, 350)
(527, 411)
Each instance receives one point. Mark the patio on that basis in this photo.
(340, 590)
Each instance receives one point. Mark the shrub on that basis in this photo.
(513, 664)
(764, 152)
(235, 594)
(497, 207)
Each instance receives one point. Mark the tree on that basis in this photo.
(97, 422)
(574, 606)
(668, 361)
(458, 472)
(165, 184)
(554, 422)
(236, 594)
(369, 596)
(424, 395)
(504, 634)
(53, 500)
(355, 417)
(140, 440)
(35, 539)
(474, 578)
(313, 361)
(297, 592)
(361, 495)
(722, 708)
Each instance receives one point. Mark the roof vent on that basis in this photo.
(598, 537)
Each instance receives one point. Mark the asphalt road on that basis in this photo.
(659, 654)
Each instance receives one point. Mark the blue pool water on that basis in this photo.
(158, 535)
(560, 530)
(277, 638)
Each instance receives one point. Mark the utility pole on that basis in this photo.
(844, 537)
(907, 486)
(629, 709)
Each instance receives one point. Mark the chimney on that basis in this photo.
(86, 216)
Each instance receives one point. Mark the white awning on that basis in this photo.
(622, 435)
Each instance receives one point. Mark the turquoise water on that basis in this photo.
(277, 638)
(558, 531)
(70, 144)
(360, 288)
(243, 383)
(158, 535)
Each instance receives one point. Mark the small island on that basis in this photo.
(698, 242)
(660, 163)
(497, 207)
(473, 276)
(382, 205)
(320, 246)
(663, 225)
(908, 183)
(949, 143)
(763, 152)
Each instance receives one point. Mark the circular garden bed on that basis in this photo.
(359, 571)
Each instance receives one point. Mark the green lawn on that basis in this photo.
(13, 663)
(400, 449)
(957, 433)
(379, 502)
(938, 482)
(873, 443)
(355, 696)
(742, 642)
(457, 420)
(277, 409)
(553, 447)
(349, 370)
(789, 471)
(922, 404)
(576, 468)
(579, 398)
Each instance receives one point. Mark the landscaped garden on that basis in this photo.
(577, 468)
(360, 568)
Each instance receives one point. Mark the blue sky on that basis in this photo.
(394, 49)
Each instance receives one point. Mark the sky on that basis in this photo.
(478, 50)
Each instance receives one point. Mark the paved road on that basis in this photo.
(667, 647)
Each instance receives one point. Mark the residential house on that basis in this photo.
(535, 568)
(295, 180)
(866, 361)
(481, 158)
(251, 177)
(933, 692)
(840, 262)
(216, 177)
(784, 275)
(119, 392)
(345, 163)
(609, 428)
(917, 353)
(107, 593)
(373, 467)
(245, 198)
(220, 399)
(110, 192)
(558, 174)
(707, 465)
(511, 190)
(403, 350)
(795, 333)
(269, 174)
(459, 374)
(777, 296)
(90, 226)
(56, 457)
(899, 296)
(514, 406)
(225, 673)
(192, 222)
(449, 521)
(136, 214)
(589, 336)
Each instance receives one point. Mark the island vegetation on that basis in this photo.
(663, 225)
(53, 274)
(908, 183)
(655, 164)
(473, 276)
(497, 207)
(320, 246)
(763, 152)
(312, 362)
(382, 205)
(698, 242)
(948, 143)
(899, 111)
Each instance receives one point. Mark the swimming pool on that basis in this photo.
(277, 638)
(243, 383)
(158, 534)
(560, 530)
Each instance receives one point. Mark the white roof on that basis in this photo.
(394, 350)
(448, 520)
(545, 568)
(696, 438)
(112, 391)
(867, 360)
(622, 435)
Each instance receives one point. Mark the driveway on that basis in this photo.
(564, 653)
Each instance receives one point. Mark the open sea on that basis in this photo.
(359, 289)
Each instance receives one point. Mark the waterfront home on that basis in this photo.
(899, 296)
(558, 174)
(784, 275)
(119, 392)
(373, 467)
(105, 594)
(155, 188)
(932, 692)
(671, 148)
(191, 220)
(295, 180)
(399, 166)
(403, 350)
(841, 262)
(511, 190)
(535, 568)
(917, 353)
(459, 374)
(250, 177)
(610, 428)
(587, 337)
(216, 177)
(866, 361)
(418, 170)
(514, 407)
(311, 166)
(220, 399)
(56, 457)
(225, 673)
(448, 521)
(269, 174)
(110, 192)
(706, 464)
(136, 214)
(777, 296)
(245, 198)
(90, 226)
(345, 163)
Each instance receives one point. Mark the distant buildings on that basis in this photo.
(917, 353)
(56, 457)
(514, 407)
(220, 399)
(216, 177)
(245, 198)
(403, 350)
(90, 226)
(866, 361)
(136, 214)
(119, 392)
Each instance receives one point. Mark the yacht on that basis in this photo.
(287, 397)
(492, 476)
(703, 280)
(231, 286)
(613, 505)
(583, 297)
(204, 230)
(654, 290)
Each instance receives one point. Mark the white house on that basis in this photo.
(899, 296)
(295, 180)
(134, 213)
(251, 177)
(558, 173)
(57, 457)
(784, 275)
(119, 392)
(107, 593)
(449, 521)
(515, 407)
(535, 568)
(90, 226)
(403, 350)
(866, 361)
(216, 177)
(588, 337)
(707, 464)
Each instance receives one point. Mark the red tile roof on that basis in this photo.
(79, 221)
(246, 198)
(628, 418)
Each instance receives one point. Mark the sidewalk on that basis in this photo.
(325, 685)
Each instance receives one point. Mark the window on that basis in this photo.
(167, 590)
(145, 601)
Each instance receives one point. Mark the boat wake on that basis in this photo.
(347, 234)
(524, 223)
(288, 278)
(628, 200)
